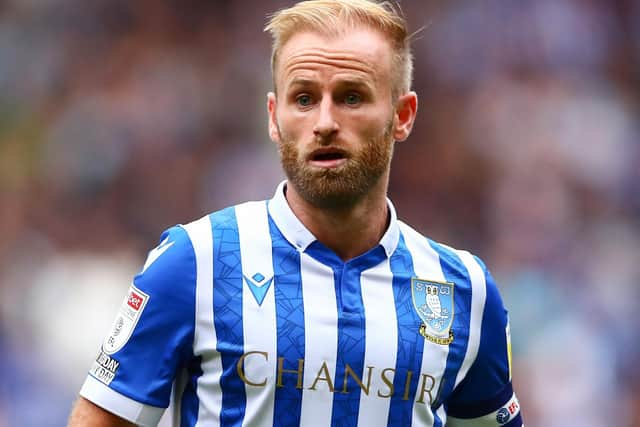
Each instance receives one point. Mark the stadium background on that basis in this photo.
(120, 118)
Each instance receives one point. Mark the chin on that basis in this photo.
(331, 190)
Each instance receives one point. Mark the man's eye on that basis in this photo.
(303, 100)
(352, 99)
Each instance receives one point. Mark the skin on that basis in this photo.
(334, 98)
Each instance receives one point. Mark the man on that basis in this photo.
(317, 307)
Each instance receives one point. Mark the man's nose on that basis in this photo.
(326, 125)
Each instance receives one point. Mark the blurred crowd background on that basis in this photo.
(121, 118)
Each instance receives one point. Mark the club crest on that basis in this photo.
(433, 302)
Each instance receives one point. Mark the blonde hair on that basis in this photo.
(333, 18)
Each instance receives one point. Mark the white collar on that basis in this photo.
(300, 237)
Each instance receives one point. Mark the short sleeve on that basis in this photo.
(151, 337)
(485, 398)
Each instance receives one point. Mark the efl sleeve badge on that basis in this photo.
(126, 320)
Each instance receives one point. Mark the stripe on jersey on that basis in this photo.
(208, 396)
(426, 265)
(227, 311)
(455, 272)
(320, 340)
(381, 341)
(290, 325)
(258, 312)
(410, 344)
(479, 293)
(351, 334)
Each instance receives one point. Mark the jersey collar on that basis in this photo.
(300, 237)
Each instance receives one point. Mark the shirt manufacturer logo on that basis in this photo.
(258, 285)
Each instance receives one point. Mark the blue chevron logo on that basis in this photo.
(258, 285)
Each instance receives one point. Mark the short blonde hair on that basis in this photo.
(334, 17)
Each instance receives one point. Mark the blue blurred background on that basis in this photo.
(121, 118)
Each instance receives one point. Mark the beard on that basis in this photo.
(345, 185)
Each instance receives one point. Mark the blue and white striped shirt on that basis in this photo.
(244, 318)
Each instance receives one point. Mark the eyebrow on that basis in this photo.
(348, 82)
(300, 81)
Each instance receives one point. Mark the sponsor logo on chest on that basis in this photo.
(375, 381)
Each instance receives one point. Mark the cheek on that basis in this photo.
(291, 126)
(374, 121)
(369, 129)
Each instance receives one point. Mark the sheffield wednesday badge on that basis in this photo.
(433, 302)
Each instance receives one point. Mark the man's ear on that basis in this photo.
(273, 119)
(405, 115)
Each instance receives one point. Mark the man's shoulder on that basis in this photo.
(174, 249)
(226, 217)
(452, 257)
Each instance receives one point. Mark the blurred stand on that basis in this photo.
(119, 119)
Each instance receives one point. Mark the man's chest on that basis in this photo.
(344, 333)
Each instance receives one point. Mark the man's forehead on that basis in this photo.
(362, 50)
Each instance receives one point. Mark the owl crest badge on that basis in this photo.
(433, 302)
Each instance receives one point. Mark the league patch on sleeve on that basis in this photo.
(508, 411)
(126, 320)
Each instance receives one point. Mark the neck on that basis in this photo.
(349, 231)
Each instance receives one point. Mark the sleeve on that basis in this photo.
(151, 337)
(485, 398)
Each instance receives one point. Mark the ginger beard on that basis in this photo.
(345, 185)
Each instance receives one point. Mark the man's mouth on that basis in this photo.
(327, 157)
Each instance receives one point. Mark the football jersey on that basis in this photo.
(243, 318)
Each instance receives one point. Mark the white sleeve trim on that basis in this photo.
(123, 406)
